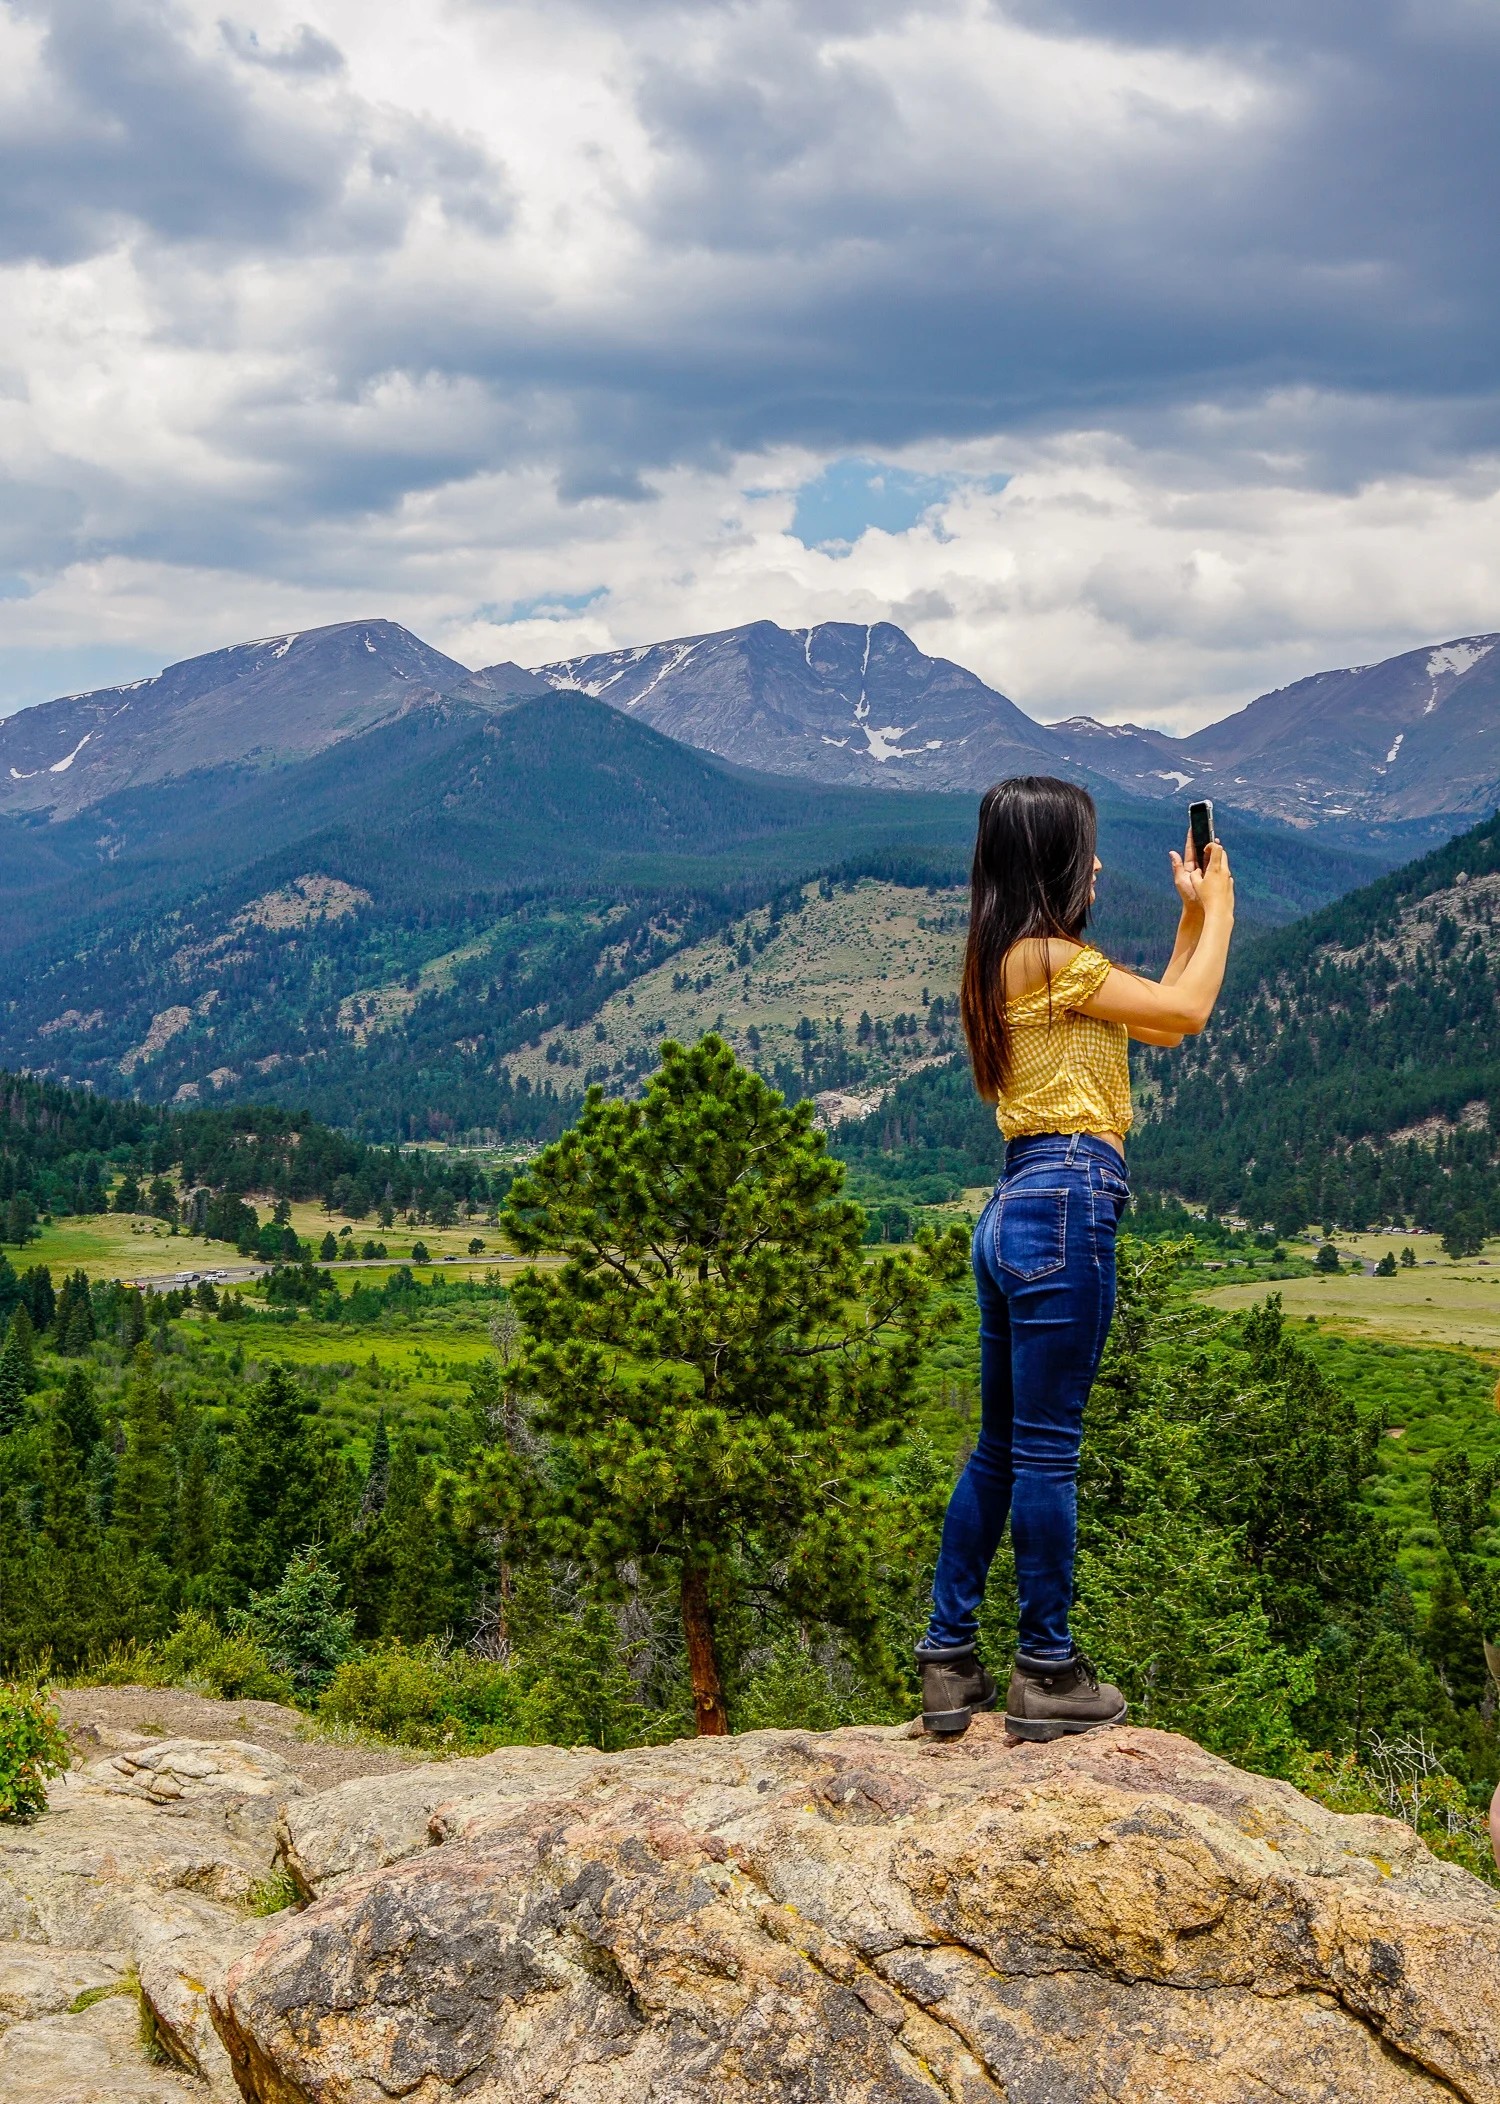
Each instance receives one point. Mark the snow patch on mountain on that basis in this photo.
(1452, 661)
(62, 766)
(1458, 658)
(880, 746)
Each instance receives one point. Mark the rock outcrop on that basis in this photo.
(856, 1917)
(864, 1917)
(121, 1907)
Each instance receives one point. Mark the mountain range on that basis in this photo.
(1402, 752)
(419, 928)
(1415, 738)
(340, 869)
(280, 698)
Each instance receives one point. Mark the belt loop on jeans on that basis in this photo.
(1072, 1150)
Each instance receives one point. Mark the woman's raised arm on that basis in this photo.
(1164, 1011)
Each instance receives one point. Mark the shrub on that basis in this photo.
(274, 1893)
(235, 1665)
(123, 1665)
(1404, 1778)
(32, 1747)
(582, 1693)
(792, 1689)
(426, 1696)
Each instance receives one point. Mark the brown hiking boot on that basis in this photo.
(954, 1686)
(1050, 1697)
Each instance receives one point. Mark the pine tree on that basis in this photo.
(500, 1456)
(102, 1471)
(64, 1515)
(133, 1319)
(378, 1475)
(720, 1371)
(1453, 1641)
(80, 1412)
(12, 1392)
(17, 1371)
(419, 1599)
(586, 1696)
(38, 1297)
(273, 1493)
(145, 1482)
(20, 1349)
(304, 1631)
(66, 1300)
(75, 1327)
(195, 1503)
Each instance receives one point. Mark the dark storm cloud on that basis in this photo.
(132, 125)
(1343, 236)
(135, 128)
(815, 263)
(820, 269)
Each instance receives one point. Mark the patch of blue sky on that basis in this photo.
(849, 496)
(44, 674)
(544, 606)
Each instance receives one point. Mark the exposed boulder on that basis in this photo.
(38, 1979)
(870, 1918)
(366, 1823)
(94, 2057)
(142, 1873)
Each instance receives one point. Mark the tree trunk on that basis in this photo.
(703, 1666)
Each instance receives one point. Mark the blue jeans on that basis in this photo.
(1044, 1264)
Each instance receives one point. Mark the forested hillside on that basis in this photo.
(481, 1577)
(66, 1151)
(1351, 1073)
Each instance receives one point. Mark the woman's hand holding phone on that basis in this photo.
(1188, 880)
(1216, 884)
(1198, 887)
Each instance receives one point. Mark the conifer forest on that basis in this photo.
(677, 1460)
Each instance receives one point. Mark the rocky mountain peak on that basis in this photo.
(839, 701)
(274, 698)
(1412, 737)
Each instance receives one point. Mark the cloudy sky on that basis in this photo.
(1139, 353)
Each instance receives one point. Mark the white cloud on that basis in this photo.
(346, 308)
(1092, 581)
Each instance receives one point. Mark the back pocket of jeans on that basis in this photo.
(1031, 1231)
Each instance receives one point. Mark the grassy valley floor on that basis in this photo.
(1451, 1302)
(136, 1246)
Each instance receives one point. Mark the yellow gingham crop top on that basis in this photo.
(1069, 1072)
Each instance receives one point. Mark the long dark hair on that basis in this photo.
(1032, 875)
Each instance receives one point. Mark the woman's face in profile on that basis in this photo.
(1094, 887)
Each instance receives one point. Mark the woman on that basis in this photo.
(1047, 1019)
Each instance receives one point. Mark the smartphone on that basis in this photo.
(1201, 828)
